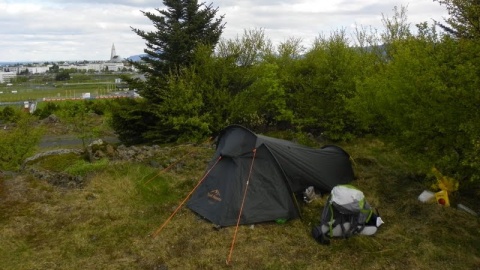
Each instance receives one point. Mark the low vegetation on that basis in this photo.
(38, 86)
(19, 141)
(109, 222)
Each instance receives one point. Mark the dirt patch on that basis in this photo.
(14, 190)
(59, 179)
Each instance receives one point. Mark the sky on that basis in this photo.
(68, 30)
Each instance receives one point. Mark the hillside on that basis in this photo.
(107, 222)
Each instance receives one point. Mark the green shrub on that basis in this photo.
(46, 110)
(9, 115)
(19, 142)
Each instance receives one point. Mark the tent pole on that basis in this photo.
(241, 208)
(155, 234)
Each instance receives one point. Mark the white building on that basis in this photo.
(115, 63)
(113, 66)
(39, 70)
(7, 76)
(90, 66)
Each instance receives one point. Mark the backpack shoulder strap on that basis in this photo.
(327, 215)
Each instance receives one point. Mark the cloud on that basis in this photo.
(68, 31)
(50, 30)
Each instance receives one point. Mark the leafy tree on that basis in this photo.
(425, 100)
(241, 55)
(212, 78)
(234, 85)
(81, 120)
(18, 143)
(249, 76)
(263, 104)
(132, 119)
(397, 27)
(248, 50)
(182, 117)
(377, 53)
(63, 75)
(322, 82)
(464, 20)
(9, 115)
(48, 109)
(54, 68)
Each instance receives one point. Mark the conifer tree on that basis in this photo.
(180, 28)
(464, 20)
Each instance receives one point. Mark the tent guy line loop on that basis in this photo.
(155, 234)
(241, 207)
(174, 163)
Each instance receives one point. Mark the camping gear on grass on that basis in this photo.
(426, 196)
(346, 213)
(466, 209)
(254, 178)
(442, 198)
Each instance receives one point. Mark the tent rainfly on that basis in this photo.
(254, 178)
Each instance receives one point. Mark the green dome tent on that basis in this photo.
(254, 178)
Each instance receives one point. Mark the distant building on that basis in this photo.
(113, 66)
(39, 69)
(7, 76)
(115, 63)
(17, 69)
(31, 68)
(90, 67)
(113, 53)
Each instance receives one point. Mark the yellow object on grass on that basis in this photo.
(442, 198)
(444, 182)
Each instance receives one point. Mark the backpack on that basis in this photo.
(346, 213)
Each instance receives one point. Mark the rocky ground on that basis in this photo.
(98, 149)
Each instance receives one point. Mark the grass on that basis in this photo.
(108, 223)
(36, 88)
(61, 91)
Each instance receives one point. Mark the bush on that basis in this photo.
(9, 115)
(130, 119)
(47, 110)
(18, 143)
(424, 99)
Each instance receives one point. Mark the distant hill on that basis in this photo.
(14, 63)
(136, 58)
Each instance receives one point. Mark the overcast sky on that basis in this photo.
(54, 30)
